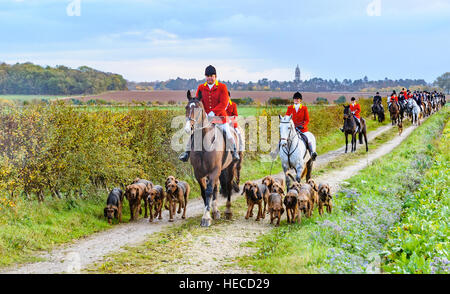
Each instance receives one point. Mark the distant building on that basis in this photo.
(297, 74)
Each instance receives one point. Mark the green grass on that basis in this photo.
(419, 243)
(349, 239)
(29, 227)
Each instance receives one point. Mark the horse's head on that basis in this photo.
(286, 128)
(194, 111)
(346, 111)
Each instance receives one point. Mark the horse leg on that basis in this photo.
(288, 179)
(206, 218)
(298, 172)
(309, 166)
(215, 211)
(346, 142)
(365, 139)
(226, 181)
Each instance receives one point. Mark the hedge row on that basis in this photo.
(58, 149)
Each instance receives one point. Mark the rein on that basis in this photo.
(289, 144)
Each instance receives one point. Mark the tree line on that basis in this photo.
(30, 79)
(312, 85)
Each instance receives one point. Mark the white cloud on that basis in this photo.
(170, 68)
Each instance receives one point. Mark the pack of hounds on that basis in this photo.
(269, 195)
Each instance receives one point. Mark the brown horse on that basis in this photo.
(350, 129)
(210, 159)
(394, 112)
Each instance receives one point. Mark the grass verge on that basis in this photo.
(419, 242)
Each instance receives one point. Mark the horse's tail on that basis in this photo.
(289, 174)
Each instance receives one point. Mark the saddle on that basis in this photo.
(304, 138)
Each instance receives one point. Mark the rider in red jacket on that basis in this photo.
(300, 116)
(215, 100)
(232, 115)
(355, 109)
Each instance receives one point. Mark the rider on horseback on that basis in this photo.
(393, 99)
(215, 99)
(232, 113)
(355, 108)
(300, 117)
(377, 101)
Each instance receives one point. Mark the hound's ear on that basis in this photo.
(176, 181)
(188, 94)
(243, 190)
(104, 211)
(282, 210)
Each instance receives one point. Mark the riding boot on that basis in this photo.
(235, 154)
(313, 154)
(184, 156)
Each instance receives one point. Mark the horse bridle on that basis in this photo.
(194, 120)
(289, 143)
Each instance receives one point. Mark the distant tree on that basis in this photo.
(444, 82)
(340, 100)
(321, 100)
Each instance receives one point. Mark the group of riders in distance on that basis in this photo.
(414, 104)
(217, 156)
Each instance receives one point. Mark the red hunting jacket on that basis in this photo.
(232, 111)
(215, 100)
(394, 98)
(356, 108)
(300, 117)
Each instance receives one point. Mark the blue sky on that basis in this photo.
(244, 40)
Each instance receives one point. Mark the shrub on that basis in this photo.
(340, 100)
(243, 101)
(76, 101)
(278, 101)
(321, 100)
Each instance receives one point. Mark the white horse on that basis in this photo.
(293, 151)
(416, 114)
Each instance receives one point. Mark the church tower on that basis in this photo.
(297, 74)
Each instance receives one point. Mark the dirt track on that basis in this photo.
(77, 255)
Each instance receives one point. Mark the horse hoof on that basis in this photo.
(228, 215)
(216, 215)
(205, 222)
